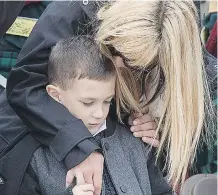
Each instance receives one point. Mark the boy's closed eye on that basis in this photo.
(87, 104)
(90, 103)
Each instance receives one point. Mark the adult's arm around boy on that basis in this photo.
(9, 10)
(50, 122)
(159, 185)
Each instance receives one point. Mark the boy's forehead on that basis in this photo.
(93, 88)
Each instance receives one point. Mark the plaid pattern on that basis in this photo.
(10, 45)
(206, 160)
(211, 166)
(7, 61)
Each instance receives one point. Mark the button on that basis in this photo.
(85, 2)
(123, 189)
(2, 181)
(106, 146)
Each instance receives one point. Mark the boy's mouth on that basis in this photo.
(94, 124)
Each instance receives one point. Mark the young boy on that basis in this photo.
(84, 81)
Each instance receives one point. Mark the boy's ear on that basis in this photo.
(54, 92)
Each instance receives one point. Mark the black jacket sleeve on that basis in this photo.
(50, 122)
(9, 10)
(159, 185)
(30, 183)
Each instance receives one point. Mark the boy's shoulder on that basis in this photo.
(123, 137)
(124, 133)
(49, 171)
(43, 157)
(117, 129)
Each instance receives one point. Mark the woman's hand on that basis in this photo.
(144, 126)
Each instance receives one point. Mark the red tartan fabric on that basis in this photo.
(28, 2)
(211, 44)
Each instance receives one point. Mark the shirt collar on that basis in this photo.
(109, 125)
(101, 128)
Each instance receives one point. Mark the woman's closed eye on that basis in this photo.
(109, 101)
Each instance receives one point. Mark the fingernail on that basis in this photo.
(132, 129)
(135, 122)
(135, 134)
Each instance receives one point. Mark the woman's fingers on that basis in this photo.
(150, 134)
(147, 126)
(151, 141)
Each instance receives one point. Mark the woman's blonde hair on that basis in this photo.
(165, 34)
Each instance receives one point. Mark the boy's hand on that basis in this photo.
(144, 126)
(82, 188)
(92, 170)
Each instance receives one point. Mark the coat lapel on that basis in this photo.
(120, 170)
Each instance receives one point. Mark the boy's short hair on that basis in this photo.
(78, 57)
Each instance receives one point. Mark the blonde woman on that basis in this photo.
(162, 38)
(158, 37)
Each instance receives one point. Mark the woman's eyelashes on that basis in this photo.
(108, 102)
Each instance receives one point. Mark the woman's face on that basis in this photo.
(150, 90)
(118, 61)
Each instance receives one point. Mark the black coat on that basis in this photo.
(9, 10)
(51, 123)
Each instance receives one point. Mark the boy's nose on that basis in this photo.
(99, 113)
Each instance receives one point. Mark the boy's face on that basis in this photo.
(88, 100)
